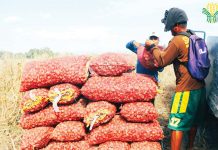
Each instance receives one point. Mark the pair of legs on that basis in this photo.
(176, 139)
(187, 112)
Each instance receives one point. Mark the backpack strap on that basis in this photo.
(188, 33)
(184, 33)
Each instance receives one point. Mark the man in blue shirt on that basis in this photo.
(133, 46)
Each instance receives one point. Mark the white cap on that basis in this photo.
(154, 34)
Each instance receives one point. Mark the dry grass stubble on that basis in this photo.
(10, 132)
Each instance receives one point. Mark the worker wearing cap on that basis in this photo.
(188, 106)
(133, 46)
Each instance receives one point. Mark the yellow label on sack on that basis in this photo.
(30, 103)
(66, 95)
(102, 113)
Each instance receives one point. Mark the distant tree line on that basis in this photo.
(31, 54)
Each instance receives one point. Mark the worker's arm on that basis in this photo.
(167, 56)
(133, 46)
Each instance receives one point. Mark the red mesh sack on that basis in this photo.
(110, 64)
(98, 113)
(131, 58)
(128, 88)
(93, 148)
(34, 100)
(139, 74)
(45, 73)
(35, 138)
(146, 58)
(139, 112)
(63, 94)
(48, 117)
(45, 117)
(114, 145)
(119, 130)
(81, 145)
(58, 146)
(73, 112)
(145, 146)
(69, 131)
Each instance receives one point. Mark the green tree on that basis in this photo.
(40, 53)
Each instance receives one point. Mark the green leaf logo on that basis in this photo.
(211, 12)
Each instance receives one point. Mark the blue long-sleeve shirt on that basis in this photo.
(139, 67)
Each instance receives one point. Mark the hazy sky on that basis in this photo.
(90, 26)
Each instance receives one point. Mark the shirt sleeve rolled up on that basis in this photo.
(167, 56)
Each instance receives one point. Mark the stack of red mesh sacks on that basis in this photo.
(135, 126)
(56, 114)
(52, 106)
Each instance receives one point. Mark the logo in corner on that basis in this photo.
(211, 11)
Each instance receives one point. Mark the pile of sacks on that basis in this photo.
(83, 103)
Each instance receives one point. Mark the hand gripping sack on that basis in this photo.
(146, 58)
(198, 63)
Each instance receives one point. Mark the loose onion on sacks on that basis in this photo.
(34, 100)
(46, 73)
(98, 113)
(128, 88)
(69, 131)
(139, 112)
(35, 138)
(110, 64)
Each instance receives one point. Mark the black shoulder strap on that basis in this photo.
(188, 33)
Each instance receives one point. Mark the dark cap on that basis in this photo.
(174, 16)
